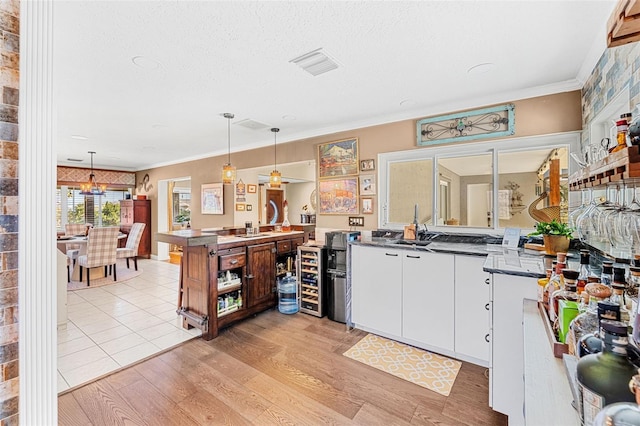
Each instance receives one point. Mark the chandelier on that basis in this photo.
(92, 187)
(275, 178)
(228, 171)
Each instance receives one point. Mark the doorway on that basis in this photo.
(275, 210)
(479, 205)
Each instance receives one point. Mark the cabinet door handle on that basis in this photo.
(234, 261)
(391, 254)
(486, 306)
(486, 337)
(487, 281)
(413, 257)
(249, 277)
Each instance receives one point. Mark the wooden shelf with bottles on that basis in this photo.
(231, 268)
(615, 167)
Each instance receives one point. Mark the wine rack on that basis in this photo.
(310, 278)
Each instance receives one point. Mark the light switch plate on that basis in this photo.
(356, 221)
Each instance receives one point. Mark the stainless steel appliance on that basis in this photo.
(337, 244)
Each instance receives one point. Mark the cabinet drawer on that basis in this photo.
(296, 242)
(283, 246)
(231, 261)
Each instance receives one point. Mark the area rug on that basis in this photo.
(431, 371)
(123, 274)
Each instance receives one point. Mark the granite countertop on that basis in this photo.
(520, 262)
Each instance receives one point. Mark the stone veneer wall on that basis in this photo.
(618, 68)
(9, 89)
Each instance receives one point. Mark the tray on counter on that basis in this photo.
(558, 347)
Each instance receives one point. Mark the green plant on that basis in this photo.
(182, 217)
(552, 228)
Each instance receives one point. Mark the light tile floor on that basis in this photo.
(113, 326)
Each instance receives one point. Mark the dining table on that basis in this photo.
(81, 241)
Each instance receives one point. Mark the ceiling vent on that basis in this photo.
(315, 62)
(252, 124)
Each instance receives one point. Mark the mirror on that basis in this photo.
(465, 191)
(455, 186)
(297, 189)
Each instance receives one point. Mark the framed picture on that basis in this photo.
(367, 165)
(252, 189)
(336, 159)
(240, 188)
(240, 207)
(367, 184)
(338, 196)
(366, 205)
(249, 207)
(212, 198)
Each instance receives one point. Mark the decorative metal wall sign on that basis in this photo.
(466, 126)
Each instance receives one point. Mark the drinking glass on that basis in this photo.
(585, 197)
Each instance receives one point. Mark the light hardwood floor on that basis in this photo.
(273, 369)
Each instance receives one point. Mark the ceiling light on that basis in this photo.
(481, 68)
(275, 178)
(92, 187)
(315, 62)
(146, 63)
(228, 171)
(79, 137)
(77, 160)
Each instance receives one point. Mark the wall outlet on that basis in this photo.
(356, 221)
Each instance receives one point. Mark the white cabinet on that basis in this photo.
(428, 298)
(376, 288)
(472, 309)
(507, 363)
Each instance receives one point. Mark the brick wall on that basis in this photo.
(9, 85)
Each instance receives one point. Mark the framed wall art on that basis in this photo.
(251, 188)
(366, 205)
(367, 184)
(240, 207)
(367, 165)
(212, 198)
(338, 196)
(337, 159)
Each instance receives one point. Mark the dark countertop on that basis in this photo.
(520, 262)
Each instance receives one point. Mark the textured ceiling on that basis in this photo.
(217, 57)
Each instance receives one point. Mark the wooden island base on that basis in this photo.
(226, 278)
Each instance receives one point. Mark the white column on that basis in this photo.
(37, 182)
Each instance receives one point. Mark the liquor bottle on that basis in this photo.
(585, 323)
(556, 282)
(618, 285)
(607, 273)
(591, 343)
(585, 271)
(568, 293)
(603, 378)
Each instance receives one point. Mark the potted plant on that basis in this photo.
(183, 218)
(556, 236)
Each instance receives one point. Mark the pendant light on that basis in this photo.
(275, 178)
(92, 187)
(228, 171)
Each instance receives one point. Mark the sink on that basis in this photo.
(416, 243)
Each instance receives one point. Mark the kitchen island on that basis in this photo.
(226, 278)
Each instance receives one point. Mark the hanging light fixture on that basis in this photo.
(92, 187)
(228, 171)
(275, 179)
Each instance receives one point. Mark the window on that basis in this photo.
(100, 210)
(472, 181)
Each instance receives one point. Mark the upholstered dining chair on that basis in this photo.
(131, 248)
(101, 251)
(73, 250)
